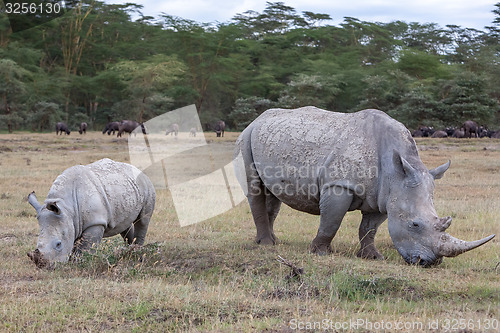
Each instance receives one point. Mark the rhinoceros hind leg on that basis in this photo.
(367, 230)
(273, 206)
(128, 235)
(264, 207)
(140, 227)
(334, 203)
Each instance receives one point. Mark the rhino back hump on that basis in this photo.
(312, 146)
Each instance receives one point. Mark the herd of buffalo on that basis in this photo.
(128, 126)
(469, 129)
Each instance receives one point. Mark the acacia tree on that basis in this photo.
(465, 97)
(305, 90)
(12, 89)
(146, 81)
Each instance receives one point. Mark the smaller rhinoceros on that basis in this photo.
(89, 202)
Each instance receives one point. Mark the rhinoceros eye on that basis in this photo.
(414, 224)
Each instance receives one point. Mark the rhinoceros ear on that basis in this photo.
(52, 206)
(438, 172)
(402, 166)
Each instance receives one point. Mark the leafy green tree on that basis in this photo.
(247, 109)
(421, 65)
(44, 116)
(12, 91)
(426, 37)
(146, 80)
(465, 98)
(305, 90)
(385, 91)
(420, 107)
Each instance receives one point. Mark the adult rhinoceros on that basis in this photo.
(328, 163)
(87, 203)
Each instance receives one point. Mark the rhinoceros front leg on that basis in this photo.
(333, 205)
(367, 230)
(91, 237)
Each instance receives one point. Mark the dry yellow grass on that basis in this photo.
(212, 277)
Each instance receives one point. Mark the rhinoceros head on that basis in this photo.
(57, 233)
(414, 226)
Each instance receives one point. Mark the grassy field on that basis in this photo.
(211, 276)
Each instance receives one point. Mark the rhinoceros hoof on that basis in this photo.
(370, 254)
(321, 249)
(266, 241)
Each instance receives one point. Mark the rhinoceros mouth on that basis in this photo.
(37, 257)
(422, 261)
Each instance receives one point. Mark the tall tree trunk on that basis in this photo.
(73, 43)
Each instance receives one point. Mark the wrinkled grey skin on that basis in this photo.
(87, 203)
(62, 127)
(328, 163)
(127, 126)
(83, 128)
(111, 127)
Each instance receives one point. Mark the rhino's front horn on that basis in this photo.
(450, 246)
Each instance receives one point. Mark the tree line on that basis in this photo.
(100, 62)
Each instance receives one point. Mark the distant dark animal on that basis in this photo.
(62, 127)
(450, 130)
(172, 130)
(83, 128)
(428, 131)
(459, 133)
(219, 128)
(471, 129)
(423, 131)
(439, 134)
(192, 132)
(127, 126)
(113, 126)
(417, 133)
(485, 132)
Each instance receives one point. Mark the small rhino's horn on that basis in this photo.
(34, 202)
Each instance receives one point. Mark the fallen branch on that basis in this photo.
(296, 271)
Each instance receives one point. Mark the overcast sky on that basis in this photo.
(466, 13)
